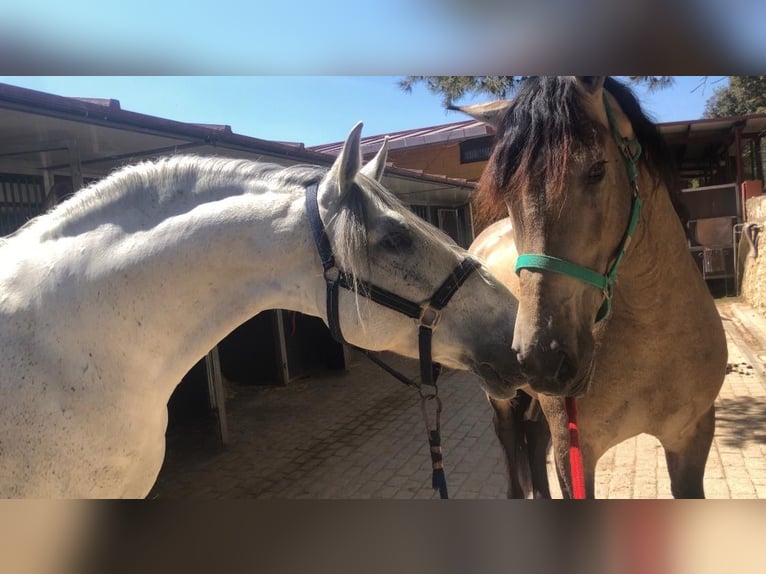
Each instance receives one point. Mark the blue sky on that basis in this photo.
(387, 36)
(312, 109)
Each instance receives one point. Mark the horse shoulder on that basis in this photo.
(496, 247)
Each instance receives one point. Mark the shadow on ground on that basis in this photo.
(741, 421)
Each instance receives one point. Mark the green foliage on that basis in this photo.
(653, 82)
(744, 95)
(452, 88)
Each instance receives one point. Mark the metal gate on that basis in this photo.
(22, 197)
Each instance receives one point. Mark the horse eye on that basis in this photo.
(596, 172)
(396, 241)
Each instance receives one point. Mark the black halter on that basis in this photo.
(427, 314)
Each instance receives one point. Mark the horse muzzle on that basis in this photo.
(553, 369)
(497, 385)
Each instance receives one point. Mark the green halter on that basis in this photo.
(630, 149)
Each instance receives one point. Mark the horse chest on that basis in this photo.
(126, 460)
(58, 444)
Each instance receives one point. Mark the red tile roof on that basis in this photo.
(456, 131)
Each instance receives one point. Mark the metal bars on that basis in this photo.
(22, 197)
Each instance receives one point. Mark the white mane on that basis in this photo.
(160, 184)
(172, 181)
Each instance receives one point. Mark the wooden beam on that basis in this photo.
(738, 152)
(216, 392)
(281, 335)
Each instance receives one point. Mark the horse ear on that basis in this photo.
(376, 166)
(349, 161)
(491, 113)
(592, 85)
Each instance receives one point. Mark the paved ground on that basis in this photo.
(360, 434)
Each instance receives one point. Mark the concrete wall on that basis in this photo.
(753, 285)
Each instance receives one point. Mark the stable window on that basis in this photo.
(421, 211)
(452, 221)
(22, 197)
(449, 222)
(477, 149)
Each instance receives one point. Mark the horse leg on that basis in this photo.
(523, 432)
(508, 423)
(562, 475)
(538, 436)
(687, 457)
(558, 423)
(563, 471)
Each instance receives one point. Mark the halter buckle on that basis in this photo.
(430, 316)
(424, 398)
(607, 293)
(332, 274)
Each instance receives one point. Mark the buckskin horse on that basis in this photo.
(612, 309)
(109, 299)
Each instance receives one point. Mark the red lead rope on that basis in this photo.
(575, 455)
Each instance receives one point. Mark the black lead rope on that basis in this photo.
(438, 478)
(427, 315)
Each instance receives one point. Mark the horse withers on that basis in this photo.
(109, 299)
(612, 308)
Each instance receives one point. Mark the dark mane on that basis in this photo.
(656, 154)
(544, 125)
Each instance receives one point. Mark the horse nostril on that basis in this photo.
(547, 360)
(526, 360)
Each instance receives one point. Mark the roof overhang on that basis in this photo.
(718, 129)
(43, 133)
(442, 134)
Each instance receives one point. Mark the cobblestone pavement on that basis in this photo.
(360, 434)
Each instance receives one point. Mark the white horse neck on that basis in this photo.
(152, 275)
